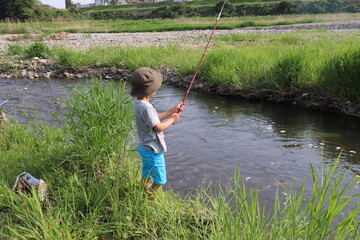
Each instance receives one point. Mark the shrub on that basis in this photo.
(37, 49)
(229, 9)
(287, 7)
(353, 8)
(315, 7)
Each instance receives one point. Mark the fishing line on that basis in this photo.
(202, 57)
(4, 102)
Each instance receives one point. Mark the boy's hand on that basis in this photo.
(180, 107)
(175, 117)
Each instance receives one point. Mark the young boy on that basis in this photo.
(145, 82)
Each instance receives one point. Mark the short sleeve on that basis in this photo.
(150, 117)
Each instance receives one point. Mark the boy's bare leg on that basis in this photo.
(147, 184)
(155, 187)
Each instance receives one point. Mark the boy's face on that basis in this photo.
(153, 94)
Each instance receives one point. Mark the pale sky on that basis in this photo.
(61, 3)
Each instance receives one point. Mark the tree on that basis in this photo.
(18, 9)
(69, 4)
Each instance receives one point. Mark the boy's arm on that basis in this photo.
(168, 113)
(164, 125)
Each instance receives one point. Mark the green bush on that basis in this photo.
(353, 8)
(37, 49)
(288, 7)
(315, 7)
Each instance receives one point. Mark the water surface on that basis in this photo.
(270, 143)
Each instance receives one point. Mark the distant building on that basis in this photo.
(79, 5)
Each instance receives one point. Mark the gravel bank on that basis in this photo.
(186, 38)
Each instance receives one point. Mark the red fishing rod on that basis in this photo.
(202, 57)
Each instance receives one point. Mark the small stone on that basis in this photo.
(304, 94)
(66, 74)
(24, 74)
(47, 75)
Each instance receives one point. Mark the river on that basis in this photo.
(269, 142)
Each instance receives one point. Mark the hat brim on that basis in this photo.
(144, 92)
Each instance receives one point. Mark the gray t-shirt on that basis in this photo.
(146, 118)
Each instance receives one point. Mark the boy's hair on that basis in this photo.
(145, 81)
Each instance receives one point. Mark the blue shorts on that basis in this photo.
(153, 165)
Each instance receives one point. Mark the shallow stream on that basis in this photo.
(218, 134)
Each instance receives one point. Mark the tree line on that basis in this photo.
(18, 9)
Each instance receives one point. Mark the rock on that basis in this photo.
(304, 94)
(30, 74)
(47, 75)
(66, 74)
(24, 74)
(43, 61)
(35, 59)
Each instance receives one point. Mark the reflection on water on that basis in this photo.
(218, 134)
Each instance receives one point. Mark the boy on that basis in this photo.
(145, 82)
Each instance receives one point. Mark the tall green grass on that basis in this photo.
(99, 126)
(340, 75)
(95, 190)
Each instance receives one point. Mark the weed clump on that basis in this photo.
(16, 49)
(37, 49)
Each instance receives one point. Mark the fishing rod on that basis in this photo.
(202, 57)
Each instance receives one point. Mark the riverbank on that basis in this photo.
(288, 64)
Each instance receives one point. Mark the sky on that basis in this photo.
(61, 3)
